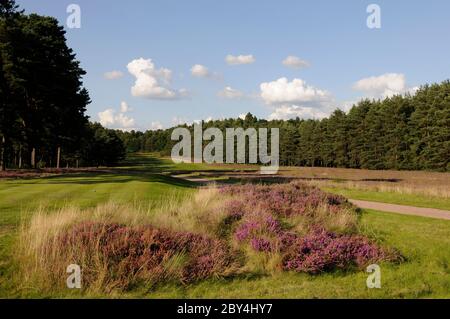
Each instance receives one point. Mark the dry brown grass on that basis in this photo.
(439, 191)
(43, 256)
(434, 184)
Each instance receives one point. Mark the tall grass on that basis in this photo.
(211, 233)
(409, 188)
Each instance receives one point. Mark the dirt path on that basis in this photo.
(402, 209)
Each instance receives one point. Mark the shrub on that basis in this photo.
(144, 253)
(214, 233)
(311, 230)
(322, 251)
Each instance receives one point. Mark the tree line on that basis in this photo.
(43, 121)
(403, 132)
(42, 99)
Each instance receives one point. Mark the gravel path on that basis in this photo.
(402, 209)
(384, 207)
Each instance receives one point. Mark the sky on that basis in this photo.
(155, 64)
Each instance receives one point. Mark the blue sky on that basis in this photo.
(338, 59)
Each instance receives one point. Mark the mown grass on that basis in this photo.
(424, 242)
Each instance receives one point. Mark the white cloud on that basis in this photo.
(113, 75)
(286, 112)
(125, 108)
(242, 116)
(230, 93)
(240, 59)
(124, 121)
(179, 121)
(200, 71)
(152, 83)
(295, 62)
(109, 118)
(296, 99)
(347, 105)
(385, 85)
(156, 126)
(282, 91)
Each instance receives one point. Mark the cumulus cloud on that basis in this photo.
(125, 108)
(152, 83)
(113, 75)
(180, 121)
(290, 99)
(107, 117)
(110, 118)
(297, 91)
(124, 121)
(286, 112)
(242, 116)
(156, 126)
(240, 59)
(385, 85)
(230, 93)
(295, 62)
(200, 71)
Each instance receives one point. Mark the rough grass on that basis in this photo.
(119, 248)
(425, 243)
(110, 241)
(424, 185)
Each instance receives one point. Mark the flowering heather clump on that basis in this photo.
(284, 199)
(235, 208)
(261, 244)
(321, 251)
(283, 227)
(262, 208)
(144, 251)
(256, 225)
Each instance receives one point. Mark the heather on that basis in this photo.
(144, 253)
(305, 228)
(214, 233)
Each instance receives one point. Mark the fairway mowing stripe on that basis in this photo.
(8, 187)
(25, 193)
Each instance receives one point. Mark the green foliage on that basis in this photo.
(401, 132)
(42, 100)
(101, 147)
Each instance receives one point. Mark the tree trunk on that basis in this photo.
(20, 158)
(58, 157)
(33, 158)
(2, 154)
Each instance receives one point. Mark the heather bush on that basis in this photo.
(310, 230)
(114, 256)
(285, 199)
(322, 251)
(212, 233)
